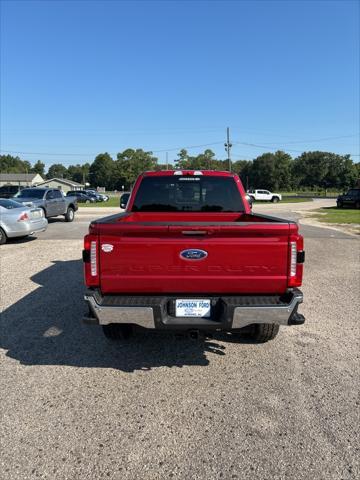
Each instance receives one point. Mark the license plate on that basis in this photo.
(36, 214)
(192, 308)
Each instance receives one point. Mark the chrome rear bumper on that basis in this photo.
(278, 314)
(105, 315)
(232, 312)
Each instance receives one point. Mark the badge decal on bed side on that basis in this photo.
(107, 247)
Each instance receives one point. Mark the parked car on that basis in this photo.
(124, 200)
(8, 191)
(188, 254)
(101, 197)
(51, 200)
(264, 195)
(16, 220)
(94, 194)
(349, 199)
(81, 196)
(90, 193)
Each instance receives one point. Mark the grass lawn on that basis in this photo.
(312, 194)
(112, 202)
(337, 215)
(287, 200)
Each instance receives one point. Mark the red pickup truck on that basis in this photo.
(188, 254)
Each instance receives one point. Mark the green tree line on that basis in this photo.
(272, 171)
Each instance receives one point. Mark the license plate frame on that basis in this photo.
(193, 307)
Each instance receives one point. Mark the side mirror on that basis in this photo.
(124, 200)
(250, 200)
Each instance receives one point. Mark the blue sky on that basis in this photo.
(83, 77)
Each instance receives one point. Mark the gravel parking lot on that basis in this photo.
(75, 406)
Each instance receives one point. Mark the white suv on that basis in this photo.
(264, 195)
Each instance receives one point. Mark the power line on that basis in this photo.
(248, 144)
(203, 129)
(185, 148)
(94, 154)
(313, 140)
(53, 154)
(267, 147)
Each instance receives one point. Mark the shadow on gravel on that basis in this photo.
(45, 328)
(59, 219)
(19, 240)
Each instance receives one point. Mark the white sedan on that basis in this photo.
(16, 220)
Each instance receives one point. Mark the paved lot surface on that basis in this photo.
(75, 406)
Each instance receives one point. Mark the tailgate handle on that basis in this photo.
(194, 232)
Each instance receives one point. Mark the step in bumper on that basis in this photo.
(228, 312)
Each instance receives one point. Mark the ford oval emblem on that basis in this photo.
(107, 247)
(193, 254)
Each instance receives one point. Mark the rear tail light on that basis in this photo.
(293, 255)
(91, 261)
(296, 260)
(23, 217)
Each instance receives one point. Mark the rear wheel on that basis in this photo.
(69, 215)
(275, 199)
(3, 237)
(357, 205)
(263, 332)
(115, 331)
(339, 204)
(258, 332)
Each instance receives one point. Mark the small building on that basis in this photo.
(20, 179)
(63, 184)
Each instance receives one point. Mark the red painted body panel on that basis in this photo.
(246, 253)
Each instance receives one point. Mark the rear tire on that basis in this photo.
(339, 205)
(3, 237)
(115, 331)
(357, 205)
(259, 332)
(69, 215)
(263, 332)
(275, 199)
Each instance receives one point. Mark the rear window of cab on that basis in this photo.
(188, 194)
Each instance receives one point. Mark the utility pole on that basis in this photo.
(228, 146)
(167, 161)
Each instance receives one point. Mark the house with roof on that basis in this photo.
(20, 179)
(63, 184)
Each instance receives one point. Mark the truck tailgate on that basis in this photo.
(244, 257)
